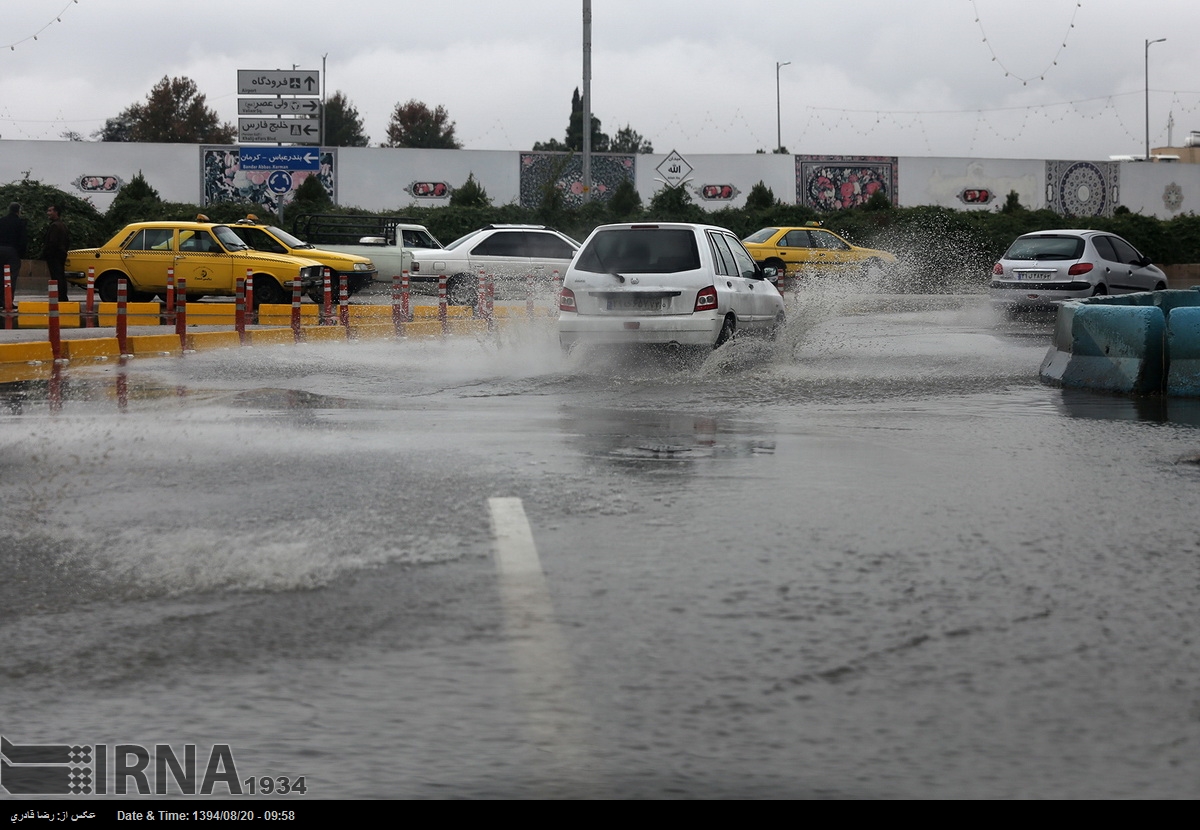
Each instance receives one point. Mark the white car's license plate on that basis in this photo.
(636, 303)
(1031, 275)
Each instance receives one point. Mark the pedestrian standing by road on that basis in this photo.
(54, 249)
(14, 239)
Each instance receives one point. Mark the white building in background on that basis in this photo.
(393, 180)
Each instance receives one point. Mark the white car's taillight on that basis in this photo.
(1079, 269)
(566, 300)
(706, 300)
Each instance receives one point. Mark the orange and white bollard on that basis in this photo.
(239, 311)
(442, 318)
(249, 297)
(327, 305)
(296, 296)
(52, 322)
(405, 299)
(181, 312)
(170, 296)
(8, 298)
(90, 307)
(122, 317)
(397, 307)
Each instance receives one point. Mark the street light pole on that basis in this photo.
(778, 111)
(1148, 42)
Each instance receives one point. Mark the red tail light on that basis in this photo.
(998, 270)
(706, 300)
(566, 300)
(1079, 268)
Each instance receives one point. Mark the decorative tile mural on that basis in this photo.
(840, 182)
(565, 172)
(1082, 188)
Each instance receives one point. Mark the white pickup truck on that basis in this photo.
(388, 241)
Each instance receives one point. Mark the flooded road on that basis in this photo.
(877, 559)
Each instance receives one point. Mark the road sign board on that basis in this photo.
(279, 158)
(302, 130)
(674, 169)
(279, 82)
(278, 106)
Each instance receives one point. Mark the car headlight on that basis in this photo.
(363, 266)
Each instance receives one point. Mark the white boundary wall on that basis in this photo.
(379, 179)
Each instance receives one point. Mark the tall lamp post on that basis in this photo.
(778, 111)
(1148, 42)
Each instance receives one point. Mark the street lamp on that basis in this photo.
(1148, 42)
(778, 111)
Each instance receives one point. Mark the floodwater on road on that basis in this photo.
(875, 559)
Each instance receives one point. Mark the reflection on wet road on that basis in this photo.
(875, 559)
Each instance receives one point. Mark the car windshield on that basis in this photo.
(287, 239)
(1046, 247)
(229, 239)
(461, 240)
(640, 251)
(759, 237)
(419, 239)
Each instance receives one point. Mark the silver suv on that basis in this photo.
(508, 252)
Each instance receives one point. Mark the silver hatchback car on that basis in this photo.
(1046, 267)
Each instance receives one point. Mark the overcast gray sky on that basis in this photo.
(982, 78)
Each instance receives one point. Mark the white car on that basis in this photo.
(507, 252)
(1046, 267)
(664, 283)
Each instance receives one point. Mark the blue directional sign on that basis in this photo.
(280, 181)
(279, 158)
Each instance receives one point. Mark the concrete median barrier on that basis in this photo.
(1122, 344)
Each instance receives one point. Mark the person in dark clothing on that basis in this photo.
(55, 248)
(14, 239)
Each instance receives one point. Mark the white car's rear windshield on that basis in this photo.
(1046, 247)
(640, 251)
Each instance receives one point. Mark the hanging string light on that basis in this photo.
(1008, 73)
(12, 47)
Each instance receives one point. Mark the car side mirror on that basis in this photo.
(770, 272)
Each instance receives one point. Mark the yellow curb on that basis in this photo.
(205, 340)
(423, 328)
(314, 334)
(90, 347)
(136, 314)
(271, 337)
(20, 371)
(35, 314)
(150, 344)
(26, 352)
(372, 331)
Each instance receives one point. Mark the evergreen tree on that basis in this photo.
(413, 124)
(343, 126)
(174, 112)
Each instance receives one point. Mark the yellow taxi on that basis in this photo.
(812, 249)
(208, 256)
(355, 272)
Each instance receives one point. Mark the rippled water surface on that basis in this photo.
(877, 558)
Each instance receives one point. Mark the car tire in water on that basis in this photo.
(461, 289)
(728, 330)
(1100, 290)
(777, 326)
(106, 286)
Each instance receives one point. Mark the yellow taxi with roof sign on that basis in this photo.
(208, 256)
(812, 248)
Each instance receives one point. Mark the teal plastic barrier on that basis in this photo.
(1138, 344)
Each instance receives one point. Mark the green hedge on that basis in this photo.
(933, 242)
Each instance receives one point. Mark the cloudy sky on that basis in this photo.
(982, 78)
